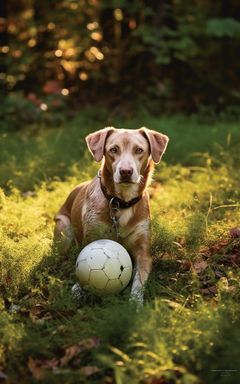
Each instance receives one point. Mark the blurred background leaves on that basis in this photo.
(166, 56)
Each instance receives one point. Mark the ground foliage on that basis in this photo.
(165, 55)
(188, 329)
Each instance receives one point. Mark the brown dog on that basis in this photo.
(116, 199)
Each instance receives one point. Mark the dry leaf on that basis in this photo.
(185, 265)
(75, 349)
(70, 352)
(36, 369)
(233, 259)
(209, 290)
(218, 247)
(234, 232)
(89, 370)
(200, 266)
(50, 364)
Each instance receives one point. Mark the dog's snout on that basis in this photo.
(126, 172)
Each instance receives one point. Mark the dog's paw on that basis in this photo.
(137, 291)
(137, 298)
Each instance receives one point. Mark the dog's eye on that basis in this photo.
(139, 150)
(113, 150)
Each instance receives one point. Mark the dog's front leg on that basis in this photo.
(63, 234)
(143, 266)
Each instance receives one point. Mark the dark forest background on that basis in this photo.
(165, 56)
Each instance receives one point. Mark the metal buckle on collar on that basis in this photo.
(114, 209)
(114, 204)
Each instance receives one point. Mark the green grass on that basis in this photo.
(188, 328)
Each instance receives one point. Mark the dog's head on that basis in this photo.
(127, 152)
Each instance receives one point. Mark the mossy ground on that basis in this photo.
(188, 329)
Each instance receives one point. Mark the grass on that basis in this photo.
(188, 329)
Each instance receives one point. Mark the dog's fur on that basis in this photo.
(128, 158)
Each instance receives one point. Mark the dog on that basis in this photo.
(117, 198)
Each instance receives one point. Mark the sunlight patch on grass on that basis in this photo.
(179, 334)
(25, 238)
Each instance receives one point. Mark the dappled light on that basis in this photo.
(193, 288)
(181, 56)
(69, 68)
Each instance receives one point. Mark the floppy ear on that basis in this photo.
(96, 142)
(157, 141)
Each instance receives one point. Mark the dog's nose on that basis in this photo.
(126, 172)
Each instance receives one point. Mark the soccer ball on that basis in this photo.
(104, 267)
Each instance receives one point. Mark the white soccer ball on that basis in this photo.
(104, 267)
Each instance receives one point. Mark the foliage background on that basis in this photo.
(164, 56)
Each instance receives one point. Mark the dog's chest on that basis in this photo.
(98, 218)
(125, 216)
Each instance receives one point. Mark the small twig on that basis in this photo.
(226, 206)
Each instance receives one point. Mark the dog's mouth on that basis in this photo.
(128, 181)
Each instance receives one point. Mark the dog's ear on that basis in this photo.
(96, 142)
(157, 141)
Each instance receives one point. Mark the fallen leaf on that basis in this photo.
(200, 266)
(209, 290)
(75, 349)
(233, 259)
(218, 247)
(234, 232)
(52, 364)
(70, 352)
(36, 369)
(185, 265)
(89, 370)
